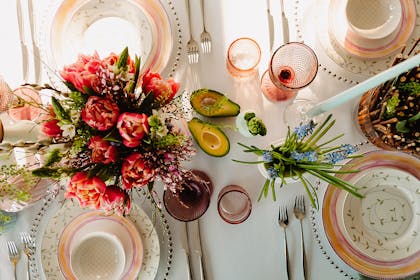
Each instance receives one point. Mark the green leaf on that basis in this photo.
(122, 60)
(59, 111)
(401, 126)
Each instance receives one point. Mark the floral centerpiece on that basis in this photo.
(300, 154)
(116, 132)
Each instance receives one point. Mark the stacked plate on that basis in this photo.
(378, 234)
(80, 244)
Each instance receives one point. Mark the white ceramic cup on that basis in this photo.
(98, 255)
(373, 19)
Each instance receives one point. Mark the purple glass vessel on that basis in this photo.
(193, 201)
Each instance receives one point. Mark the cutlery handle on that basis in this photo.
(285, 26)
(28, 267)
(14, 268)
(201, 267)
(286, 253)
(303, 251)
(189, 265)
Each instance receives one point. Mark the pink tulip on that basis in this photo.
(100, 113)
(134, 171)
(132, 128)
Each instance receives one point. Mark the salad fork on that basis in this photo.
(27, 248)
(14, 255)
(205, 36)
(299, 210)
(192, 46)
(283, 222)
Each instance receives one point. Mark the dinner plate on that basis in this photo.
(69, 211)
(72, 27)
(377, 235)
(340, 31)
(99, 232)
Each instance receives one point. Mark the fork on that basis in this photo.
(283, 222)
(13, 254)
(205, 36)
(27, 248)
(299, 210)
(192, 46)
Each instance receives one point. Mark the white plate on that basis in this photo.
(69, 211)
(378, 234)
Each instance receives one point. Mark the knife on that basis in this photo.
(187, 251)
(200, 252)
(270, 25)
(284, 24)
(36, 53)
(23, 46)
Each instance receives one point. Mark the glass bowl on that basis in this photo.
(386, 132)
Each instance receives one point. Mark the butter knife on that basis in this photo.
(284, 24)
(23, 46)
(37, 64)
(187, 251)
(200, 252)
(270, 25)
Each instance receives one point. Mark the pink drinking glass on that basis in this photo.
(193, 201)
(243, 57)
(234, 204)
(25, 111)
(293, 66)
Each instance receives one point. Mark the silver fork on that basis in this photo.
(27, 248)
(14, 255)
(205, 36)
(299, 210)
(192, 46)
(283, 222)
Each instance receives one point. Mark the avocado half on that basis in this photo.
(211, 139)
(210, 103)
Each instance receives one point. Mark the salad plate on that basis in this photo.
(67, 215)
(94, 245)
(346, 38)
(378, 234)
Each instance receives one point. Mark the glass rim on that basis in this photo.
(271, 72)
(251, 68)
(230, 189)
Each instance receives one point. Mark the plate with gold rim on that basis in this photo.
(378, 235)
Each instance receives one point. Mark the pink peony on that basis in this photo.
(83, 73)
(134, 171)
(132, 128)
(88, 191)
(100, 113)
(51, 129)
(116, 200)
(102, 150)
(163, 91)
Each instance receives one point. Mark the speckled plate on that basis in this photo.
(377, 235)
(71, 210)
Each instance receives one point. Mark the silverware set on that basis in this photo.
(197, 251)
(205, 37)
(283, 220)
(23, 40)
(14, 254)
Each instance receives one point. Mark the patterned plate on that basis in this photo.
(71, 210)
(369, 48)
(90, 224)
(149, 28)
(377, 235)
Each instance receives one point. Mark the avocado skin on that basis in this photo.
(197, 126)
(223, 106)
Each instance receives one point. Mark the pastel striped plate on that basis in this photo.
(370, 48)
(378, 235)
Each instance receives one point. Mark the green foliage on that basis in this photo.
(413, 88)
(391, 105)
(16, 182)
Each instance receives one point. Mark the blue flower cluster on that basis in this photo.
(267, 156)
(311, 156)
(272, 172)
(304, 129)
(345, 150)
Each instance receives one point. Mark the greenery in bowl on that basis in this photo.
(302, 153)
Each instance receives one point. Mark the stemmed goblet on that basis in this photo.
(293, 66)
